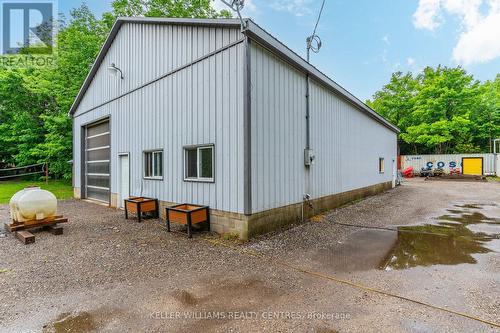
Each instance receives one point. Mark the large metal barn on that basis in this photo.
(201, 111)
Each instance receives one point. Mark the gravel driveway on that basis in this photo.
(109, 274)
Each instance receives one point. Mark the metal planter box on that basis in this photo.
(140, 205)
(187, 214)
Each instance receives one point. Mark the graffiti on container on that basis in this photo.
(441, 165)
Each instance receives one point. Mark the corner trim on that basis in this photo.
(247, 129)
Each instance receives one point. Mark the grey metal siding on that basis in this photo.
(145, 51)
(346, 141)
(278, 131)
(348, 145)
(200, 104)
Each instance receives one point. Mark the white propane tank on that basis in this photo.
(32, 203)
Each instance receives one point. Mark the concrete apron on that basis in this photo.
(248, 226)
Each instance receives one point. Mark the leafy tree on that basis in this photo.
(20, 108)
(443, 104)
(486, 117)
(78, 44)
(167, 8)
(396, 101)
(441, 110)
(34, 102)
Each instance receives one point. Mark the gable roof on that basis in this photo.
(254, 32)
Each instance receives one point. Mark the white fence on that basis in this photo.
(498, 165)
(447, 162)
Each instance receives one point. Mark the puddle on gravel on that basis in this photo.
(81, 322)
(67, 322)
(451, 241)
(475, 205)
(454, 239)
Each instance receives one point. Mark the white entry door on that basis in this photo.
(124, 181)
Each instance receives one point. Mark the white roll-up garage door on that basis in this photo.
(97, 161)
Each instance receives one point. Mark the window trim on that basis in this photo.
(198, 149)
(381, 165)
(144, 154)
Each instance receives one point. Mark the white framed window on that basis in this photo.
(153, 164)
(199, 163)
(381, 165)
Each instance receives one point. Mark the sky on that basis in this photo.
(364, 41)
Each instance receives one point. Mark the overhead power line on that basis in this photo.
(313, 41)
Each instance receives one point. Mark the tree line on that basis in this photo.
(35, 101)
(440, 110)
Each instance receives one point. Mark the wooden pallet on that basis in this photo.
(20, 229)
(50, 221)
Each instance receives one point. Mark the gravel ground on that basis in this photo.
(109, 274)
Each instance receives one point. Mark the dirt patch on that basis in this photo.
(222, 301)
(227, 294)
(362, 250)
(325, 330)
(185, 298)
(103, 262)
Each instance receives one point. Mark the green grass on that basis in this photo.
(493, 178)
(61, 188)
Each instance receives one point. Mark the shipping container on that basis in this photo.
(446, 162)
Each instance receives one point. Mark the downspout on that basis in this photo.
(308, 153)
(313, 42)
(308, 107)
(308, 102)
(307, 150)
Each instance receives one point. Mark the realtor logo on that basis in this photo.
(28, 27)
